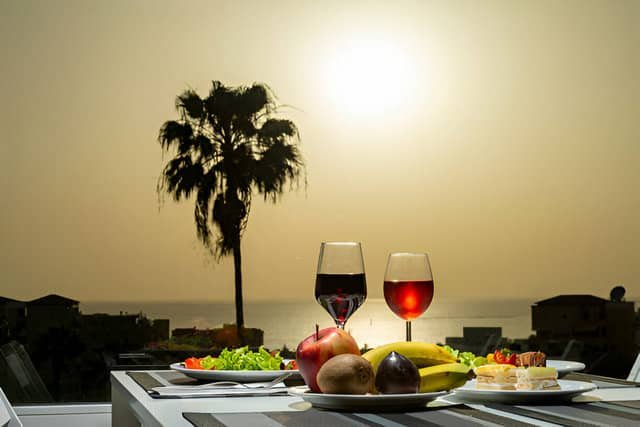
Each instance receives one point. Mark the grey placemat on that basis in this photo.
(601, 382)
(159, 379)
(621, 414)
(449, 417)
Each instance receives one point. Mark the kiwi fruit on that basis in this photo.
(346, 374)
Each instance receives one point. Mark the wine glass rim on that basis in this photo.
(345, 243)
(409, 253)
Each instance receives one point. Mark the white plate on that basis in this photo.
(567, 390)
(365, 402)
(238, 376)
(564, 366)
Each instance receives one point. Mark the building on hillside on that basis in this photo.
(478, 340)
(69, 353)
(161, 328)
(122, 331)
(50, 312)
(13, 315)
(604, 330)
(570, 317)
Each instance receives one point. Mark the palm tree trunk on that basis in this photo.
(237, 265)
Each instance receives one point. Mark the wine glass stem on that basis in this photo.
(339, 325)
(408, 330)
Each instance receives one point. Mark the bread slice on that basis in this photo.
(537, 378)
(496, 377)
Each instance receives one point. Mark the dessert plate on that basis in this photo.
(238, 376)
(564, 366)
(568, 389)
(365, 402)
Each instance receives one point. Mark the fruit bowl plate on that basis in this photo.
(238, 376)
(365, 402)
(568, 389)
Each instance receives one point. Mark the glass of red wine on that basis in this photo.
(341, 287)
(408, 286)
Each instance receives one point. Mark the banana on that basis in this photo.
(443, 377)
(420, 353)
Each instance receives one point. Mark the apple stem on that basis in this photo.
(317, 332)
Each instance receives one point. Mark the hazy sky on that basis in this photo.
(501, 137)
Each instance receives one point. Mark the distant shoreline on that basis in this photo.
(305, 300)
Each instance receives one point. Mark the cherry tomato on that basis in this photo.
(291, 365)
(192, 363)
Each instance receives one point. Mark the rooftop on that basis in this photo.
(5, 300)
(573, 300)
(53, 299)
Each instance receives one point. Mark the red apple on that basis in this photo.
(319, 347)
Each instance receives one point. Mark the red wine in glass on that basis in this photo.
(341, 294)
(408, 299)
(341, 287)
(408, 286)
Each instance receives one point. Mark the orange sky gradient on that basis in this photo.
(506, 144)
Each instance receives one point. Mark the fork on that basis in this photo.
(228, 384)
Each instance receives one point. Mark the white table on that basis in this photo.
(132, 406)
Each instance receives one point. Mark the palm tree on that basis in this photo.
(228, 146)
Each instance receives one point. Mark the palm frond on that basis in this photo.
(254, 99)
(274, 129)
(201, 213)
(181, 177)
(190, 105)
(220, 106)
(174, 133)
(278, 164)
(204, 147)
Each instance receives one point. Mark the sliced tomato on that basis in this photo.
(504, 357)
(192, 363)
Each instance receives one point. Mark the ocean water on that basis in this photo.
(287, 323)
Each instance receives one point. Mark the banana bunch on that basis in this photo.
(422, 354)
(443, 377)
(437, 367)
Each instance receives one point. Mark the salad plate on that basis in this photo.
(228, 375)
(568, 389)
(365, 402)
(564, 366)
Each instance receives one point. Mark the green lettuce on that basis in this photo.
(243, 359)
(466, 357)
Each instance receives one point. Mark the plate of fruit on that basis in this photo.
(365, 402)
(396, 376)
(240, 365)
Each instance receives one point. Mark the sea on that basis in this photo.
(287, 323)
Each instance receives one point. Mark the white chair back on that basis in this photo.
(634, 374)
(8, 417)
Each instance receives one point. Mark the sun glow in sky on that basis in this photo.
(500, 138)
(369, 74)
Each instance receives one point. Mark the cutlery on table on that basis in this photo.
(225, 385)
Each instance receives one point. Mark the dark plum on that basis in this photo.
(396, 374)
